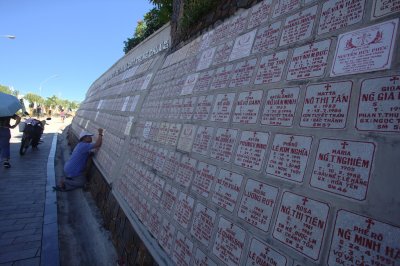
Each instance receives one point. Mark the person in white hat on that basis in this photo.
(74, 168)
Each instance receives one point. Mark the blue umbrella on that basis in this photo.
(9, 104)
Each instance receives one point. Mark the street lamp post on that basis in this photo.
(8, 36)
(43, 82)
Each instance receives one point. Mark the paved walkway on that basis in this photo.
(28, 206)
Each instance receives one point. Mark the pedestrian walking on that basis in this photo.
(5, 136)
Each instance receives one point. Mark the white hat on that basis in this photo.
(84, 134)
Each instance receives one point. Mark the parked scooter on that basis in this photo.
(32, 129)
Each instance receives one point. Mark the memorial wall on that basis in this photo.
(271, 139)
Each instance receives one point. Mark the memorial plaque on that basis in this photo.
(146, 129)
(267, 38)
(223, 52)
(160, 159)
(238, 23)
(309, 60)
(203, 82)
(224, 141)
(203, 107)
(188, 108)
(156, 189)
(222, 77)
(154, 223)
(343, 167)
(175, 110)
(280, 107)
(365, 50)
(257, 204)
(201, 259)
(222, 32)
(184, 209)
(271, 68)
(262, 254)
(227, 189)
(183, 250)
(206, 40)
(382, 8)
(189, 84)
(126, 100)
(301, 224)
(339, 14)
(259, 13)
(202, 140)
(203, 224)
(285, 6)
(247, 107)
(205, 175)
(243, 73)
(194, 47)
(187, 137)
(134, 103)
(163, 133)
(242, 46)
(222, 107)
(146, 82)
(166, 236)
(289, 156)
(379, 105)
(361, 240)
(251, 149)
(186, 170)
(154, 128)
(229, 242)
(206, 59)
(299, 26)
(169, 198)
(326, 105)
(173, 134)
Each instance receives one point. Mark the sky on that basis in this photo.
(62, 47)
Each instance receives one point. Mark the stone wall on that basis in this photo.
(271, 138)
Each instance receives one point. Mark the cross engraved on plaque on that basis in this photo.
(202, 140)
(360, 239)
(227, 188)
(251, 149)
(222, 77)
(203, 224)
(223, 52)
(169, 198)
(343, 167)
(267, 38)
(203, 107)
(243, 73)
(166, 236)
(224, 141)
(222, 107)
(271, 68)
(301, 224)
(259, 13)
(183, 250)
(184, 209)
(263, 254)
(205, 176)
(247, 107)
(201, 259)
(285, 6)
(186, 170)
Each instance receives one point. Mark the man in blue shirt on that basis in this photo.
(74, 168)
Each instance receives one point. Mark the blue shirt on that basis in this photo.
(76, 165)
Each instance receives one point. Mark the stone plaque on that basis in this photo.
(205, 175)
(280, 107)
(201, 259)
(379, 105)
(156, 189)
(259, 13)
(267, 38)
(299, 26)
(206, 40)
(262, 254)
(222, 32)
(125, 104)
(257, 204)
(242, 46)
(365, 50)
(188, 108)
(186, 170)
(222, 107)
(229, 242)
(339, 14)
(184, 209)
(183, 251)
(173, 134)
(251, 149)
(285, 6)
(187, 137)
(171, 164)
(146, 82)
(326, 105)
(289, 156)
(203, 107)
(238, 23)
(155, 221)
(160, 159)
(146, 129)
(166, 236)
(227, 189)
(301, 224)
(383, 8)
(271, 68)
(247, 107)
(203, 82)
(206, 59)
(309, 61)
(169, 198)
(134, 103)
(202, 140)
(163, 133)
(222, 77)
(224, 141)
(189, 84)
(361, 240)
(223, 52)
(343, 167)
(203, 224)
(243, 73)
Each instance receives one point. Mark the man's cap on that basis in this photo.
(84, 134)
